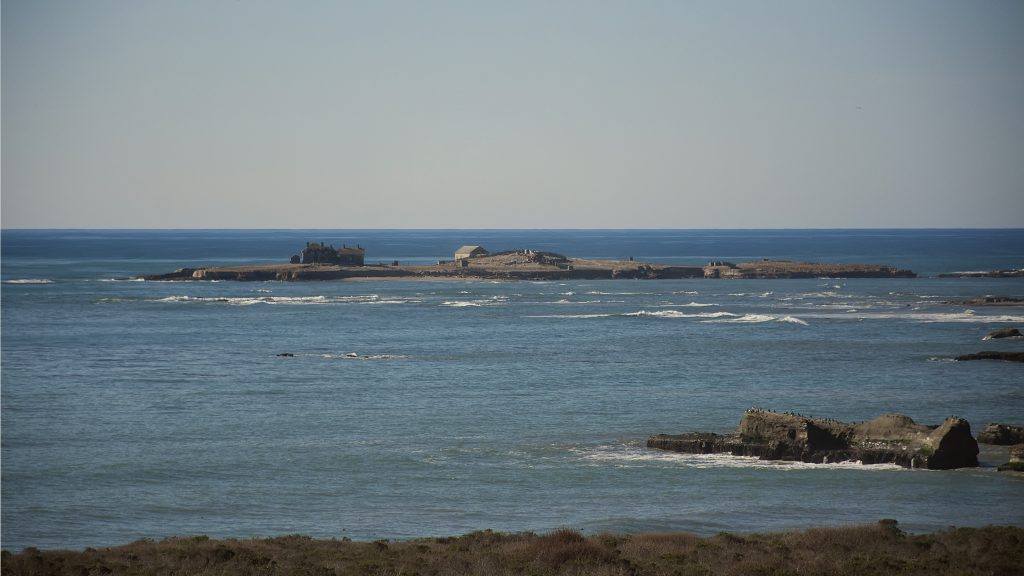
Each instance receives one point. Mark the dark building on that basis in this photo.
(315, 253)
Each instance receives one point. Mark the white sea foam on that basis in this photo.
(678, 314)
(759, 319)
(626, 456)
(572, 316)
(284, 300)
(919, 317)
(29, 281)
(122, 279)
(462, 304)
(793, 320)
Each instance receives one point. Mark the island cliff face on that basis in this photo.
(891, 438)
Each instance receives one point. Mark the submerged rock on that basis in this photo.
(1001, 434)
(1004, 333)
(891, 438)
(993, 355)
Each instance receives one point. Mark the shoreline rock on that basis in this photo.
(891, 438)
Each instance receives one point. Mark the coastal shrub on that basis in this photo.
(844, 551)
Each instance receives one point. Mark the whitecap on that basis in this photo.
(277, 300)
(760, 319)
(461, 304)
(678, 314)
(572, 316)
(793, 320)
(920, 317)
(29, 281)
(638, 457)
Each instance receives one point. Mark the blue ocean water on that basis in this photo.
(142, 409)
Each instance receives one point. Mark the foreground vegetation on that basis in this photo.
(875, 549)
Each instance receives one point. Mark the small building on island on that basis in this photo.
(322, 253)
(470, 252)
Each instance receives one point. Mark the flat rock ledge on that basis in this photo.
(888, 439)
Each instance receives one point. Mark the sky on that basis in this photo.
(525, 114)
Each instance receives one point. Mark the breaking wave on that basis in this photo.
(966, 316)
(29, 281)
(760, 318)
(492, 301)
(284, 300)
(635, 456)
(678, 314)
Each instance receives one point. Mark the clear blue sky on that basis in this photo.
(476, 114)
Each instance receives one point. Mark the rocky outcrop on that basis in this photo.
(993, 355)
(891, 438)
(1001, 434)
(1004, 333)
(1016, 463)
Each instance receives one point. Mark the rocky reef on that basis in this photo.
(1001, 434)
(890, 438)
(1003, 333)
(989, 301)
(1012, 273)
(992, 355)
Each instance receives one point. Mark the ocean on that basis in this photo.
(138, 409)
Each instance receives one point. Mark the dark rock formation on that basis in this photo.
(985, 274)
(993, 355)
(1016, 463)
(1001, 434)
(891, 438)
(1004, 333)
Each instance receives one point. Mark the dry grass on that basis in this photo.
(876, 549)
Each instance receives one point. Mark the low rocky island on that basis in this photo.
(891, 438)
(323, 262)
